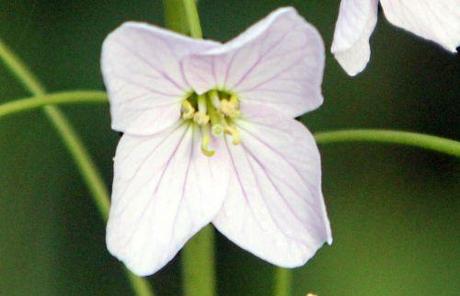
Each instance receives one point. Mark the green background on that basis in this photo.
(395, 211)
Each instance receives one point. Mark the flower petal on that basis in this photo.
(164, 191)
(355, 24)
(278, 62)
(274, 207)
(435, 20)
(143, 76)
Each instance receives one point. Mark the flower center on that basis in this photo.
(214, 112)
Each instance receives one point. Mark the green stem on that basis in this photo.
(73, 143)
(198, 269)
(283, 279)
(198, 264)
(175, 17)
(60, 98)
(80, 155)
(428, 142)
(193, 19)
(20, 71)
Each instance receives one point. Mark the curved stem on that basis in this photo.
(283, 280)
(428, 142)
(80, 155)
(20, 71)
(73, 143)
(59, 98)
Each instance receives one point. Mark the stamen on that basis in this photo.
(233, 131)
(214, 113)
(214, 98)
(202, 106)
(201, 118)
(205, 138)
(187, 110)
(230, 107)
(234, 100)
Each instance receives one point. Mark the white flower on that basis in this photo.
(435, 20)
(209, 136)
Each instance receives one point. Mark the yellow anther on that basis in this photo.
(230, 107)
(205, 138)
(201, 118)
(187, 110)
(234, 100)
(232, 131)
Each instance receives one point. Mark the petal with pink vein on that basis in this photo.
(278, 62)
(274, 207)
(164, 191)
(144, 79)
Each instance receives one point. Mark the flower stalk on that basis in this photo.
(59, 98)
(72, 142)
(283, 280)
(198, 269)
(428, 142)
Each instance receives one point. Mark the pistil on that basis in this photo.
(201, 117)
(216, 118)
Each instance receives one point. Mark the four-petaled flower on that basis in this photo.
(435, 20)
(210, 136)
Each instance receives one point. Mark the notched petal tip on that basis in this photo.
(164, 191)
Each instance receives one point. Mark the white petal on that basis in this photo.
(355, 24)
(143, 76)
(435, 20)
(164, 191)
(274, 207)
(278, 62)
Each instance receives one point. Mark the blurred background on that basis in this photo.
(394, 210)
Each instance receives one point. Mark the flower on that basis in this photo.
(435, 20)
(209, 136)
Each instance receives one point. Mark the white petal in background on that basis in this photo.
(355, 24)
(435, 20)
(278, 62)
(274, 207)
(164, 191)
(143, 76)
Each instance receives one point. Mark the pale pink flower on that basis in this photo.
(435, 20)
(210, 137)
